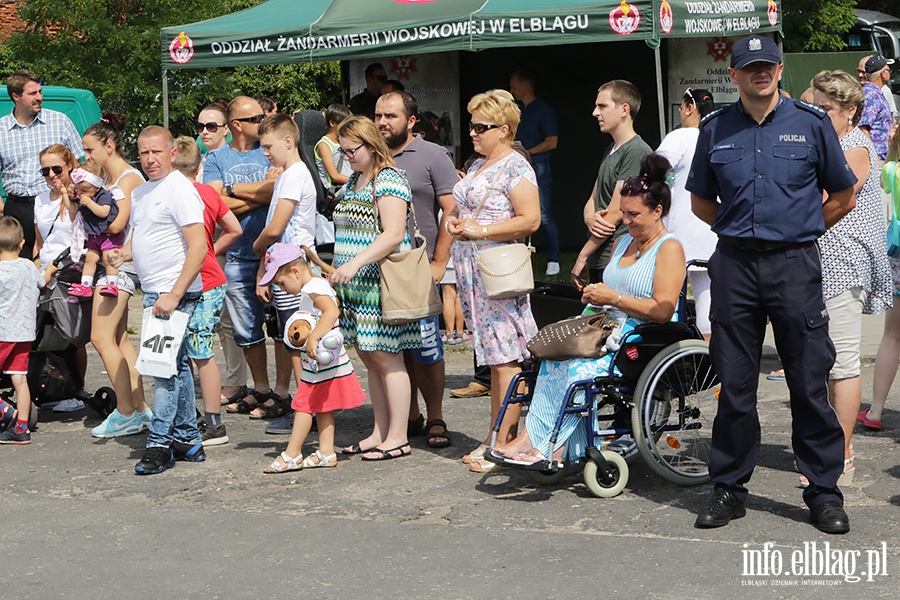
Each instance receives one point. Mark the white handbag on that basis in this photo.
(160, 342)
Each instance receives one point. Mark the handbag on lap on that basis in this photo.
(579, 337)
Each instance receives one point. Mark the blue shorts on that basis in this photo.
(201, 329)
(244, 307)
(432, 350)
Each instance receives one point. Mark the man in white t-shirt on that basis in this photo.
(168, 247)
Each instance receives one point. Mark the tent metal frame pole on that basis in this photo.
(165, 95)
(660, 92)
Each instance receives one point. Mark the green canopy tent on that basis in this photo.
(290, 31)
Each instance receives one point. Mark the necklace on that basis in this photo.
(637, 253)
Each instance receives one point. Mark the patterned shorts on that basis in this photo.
(201, 330)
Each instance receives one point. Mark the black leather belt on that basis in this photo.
(757, 245)
(15, 198)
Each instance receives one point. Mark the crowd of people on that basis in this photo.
(781, 197)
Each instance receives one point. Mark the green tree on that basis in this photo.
(112, 47)
(816, 24)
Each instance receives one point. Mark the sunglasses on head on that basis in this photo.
(689, 93)
(57, 170)
(211, 126)
(253, 119)
(634, 186)
(480, 128)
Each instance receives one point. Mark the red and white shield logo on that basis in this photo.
(772, 12)
(181, 49)
(666, 18)
(624, 19)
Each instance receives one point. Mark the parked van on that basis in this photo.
(877, 33)
(79, 105)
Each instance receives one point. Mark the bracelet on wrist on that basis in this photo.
(484, 232)
(619, 299)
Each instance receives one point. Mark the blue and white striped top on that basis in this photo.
(635, 280)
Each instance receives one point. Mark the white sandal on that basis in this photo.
(324, 461)
(288, 464)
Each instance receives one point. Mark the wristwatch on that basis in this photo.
(229, 190)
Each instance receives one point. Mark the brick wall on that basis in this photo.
(9, 22)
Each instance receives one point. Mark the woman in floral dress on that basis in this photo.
(504, 183)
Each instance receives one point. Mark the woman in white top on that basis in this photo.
(697, 238)
(103, 145)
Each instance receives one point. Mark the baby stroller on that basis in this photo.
(667, 392)
(62, 328)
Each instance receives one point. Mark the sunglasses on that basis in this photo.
(381, 78)
(350, 152)
(480, 128)
(57, 170)
(211, 126)
(253, 119)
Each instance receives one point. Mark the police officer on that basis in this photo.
(768, 158)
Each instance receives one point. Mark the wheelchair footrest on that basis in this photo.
(544, 466)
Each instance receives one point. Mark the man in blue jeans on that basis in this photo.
(539, 132)
(167, 246)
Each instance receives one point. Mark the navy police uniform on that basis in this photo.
(769, 178)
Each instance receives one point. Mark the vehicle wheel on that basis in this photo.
(599, 484)
(548, 477)
(33, 417)
(675, 403)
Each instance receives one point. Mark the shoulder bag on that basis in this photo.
(505, 269)
(579, 337)
(408, 291)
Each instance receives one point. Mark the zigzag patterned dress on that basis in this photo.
(355, 228)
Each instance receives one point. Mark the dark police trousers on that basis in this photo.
(786, 285)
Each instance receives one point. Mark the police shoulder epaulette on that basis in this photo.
(810, 108)
(713, 115)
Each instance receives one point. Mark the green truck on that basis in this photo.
(79, 105)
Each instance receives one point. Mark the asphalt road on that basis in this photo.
(79, 524)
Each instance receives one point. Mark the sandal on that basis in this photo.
(416, 427)
(386, 454)
(355, 449)
(287, 464)
(441, 439)
(475, 455)
(323, 461)
(235, 397)
(243, 407)
(277, 408)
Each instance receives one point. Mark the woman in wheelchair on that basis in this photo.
(642, 283)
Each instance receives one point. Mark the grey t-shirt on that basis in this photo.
(431, 174)
(615, 167)
(20, 286)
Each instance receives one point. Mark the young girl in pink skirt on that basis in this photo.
(322, 388)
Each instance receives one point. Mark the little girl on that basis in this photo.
(321, 389)
(98, 209)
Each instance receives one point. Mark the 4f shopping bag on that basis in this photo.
(160, 341)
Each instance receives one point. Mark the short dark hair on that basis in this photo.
(372, 68)
(394, 83)
(15, 84)
(523, 75)
(266, 103)
(336, 113)
(11, 233)
(623, 92)
(410, 105)
(702, 99)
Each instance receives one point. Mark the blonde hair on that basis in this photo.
(500, 107)
(362, 130)
(281, 125)
(187, 155)
(93, 168)
(841, 88)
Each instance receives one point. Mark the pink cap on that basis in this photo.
(277, 256)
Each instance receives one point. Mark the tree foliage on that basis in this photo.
(816, 24)
(113, 48)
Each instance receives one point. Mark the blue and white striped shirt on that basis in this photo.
(20, 146)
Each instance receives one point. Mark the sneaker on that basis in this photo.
(283, 425)
(110, 291)
(552, 268)
(70, 405)
(115, 425)
(81, 291)
(155, 460)
(188, 452)
(11, 437)
(212, 436)
(146, 416)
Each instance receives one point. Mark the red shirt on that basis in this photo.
(214, 208)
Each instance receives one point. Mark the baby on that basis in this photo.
(98, 209)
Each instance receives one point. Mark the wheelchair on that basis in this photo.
(665, 397)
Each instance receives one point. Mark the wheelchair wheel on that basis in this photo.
(547, 477)
(675, 403)
(601, 485)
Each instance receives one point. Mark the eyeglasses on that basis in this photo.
(57, 170)
(211, 126)
(634, 186)
(254, 119)
(480, 128)
(349, 153)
